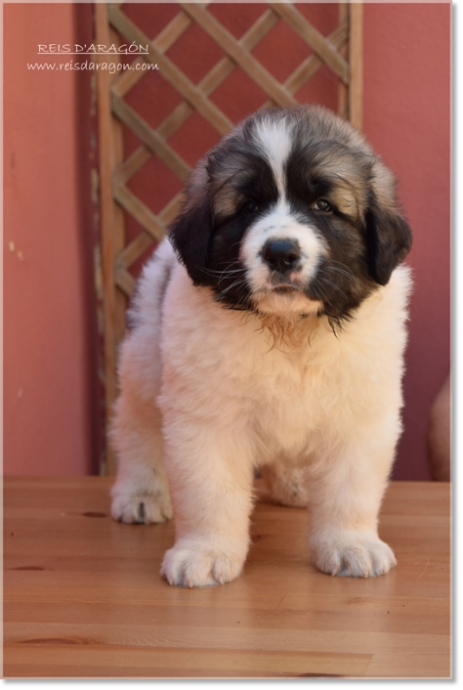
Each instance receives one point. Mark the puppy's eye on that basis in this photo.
(322, 205)
(250, 207)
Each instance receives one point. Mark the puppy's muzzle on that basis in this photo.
(282, 255)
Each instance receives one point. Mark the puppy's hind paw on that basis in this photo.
(141, 508)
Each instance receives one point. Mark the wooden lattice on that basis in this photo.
(341, 51)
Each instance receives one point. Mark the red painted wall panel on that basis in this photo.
(407, 119)
(48, 367)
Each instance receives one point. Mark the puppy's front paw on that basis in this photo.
(144, 508)
(193, 564)
(351, 554)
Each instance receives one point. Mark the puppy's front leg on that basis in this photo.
(346, 500)
(211, 487)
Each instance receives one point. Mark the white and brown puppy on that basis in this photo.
(272, 337)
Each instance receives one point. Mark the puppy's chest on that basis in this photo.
(290, 408)
(291, 392)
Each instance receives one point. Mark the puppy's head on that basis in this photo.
(291, 213)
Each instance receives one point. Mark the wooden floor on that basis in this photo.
(83, 595)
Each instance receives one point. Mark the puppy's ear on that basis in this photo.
(389, 238)
(191, 232)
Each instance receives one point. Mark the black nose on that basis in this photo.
(281, 255)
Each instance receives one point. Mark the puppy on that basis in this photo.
(268, 331)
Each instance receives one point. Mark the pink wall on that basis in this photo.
(54, 425)
(46, 353)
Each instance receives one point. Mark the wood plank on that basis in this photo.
(112, 227)
(119, 231)
(164, 662)
(45, 605)
(83, 596)
(356, 64)
(343, 89)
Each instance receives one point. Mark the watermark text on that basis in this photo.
(92, 49)
(90, 66)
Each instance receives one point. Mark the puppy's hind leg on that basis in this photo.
(141, 492)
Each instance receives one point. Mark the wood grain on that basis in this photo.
(83, 595)
(112, 222)
(343, 89)
(356, 64)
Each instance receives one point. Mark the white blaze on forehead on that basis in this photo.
(274, 140)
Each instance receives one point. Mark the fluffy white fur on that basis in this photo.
(206, 396)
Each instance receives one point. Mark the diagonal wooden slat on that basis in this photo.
(244, 59)
(172, 73)
(314, 38)
(150, 137)
(312, 64)
(147, 219)
(125, 281)
(143, 241)
(128, 168)
(135, 250)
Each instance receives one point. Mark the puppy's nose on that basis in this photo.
(281, 254)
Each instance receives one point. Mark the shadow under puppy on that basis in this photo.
(268, 331)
